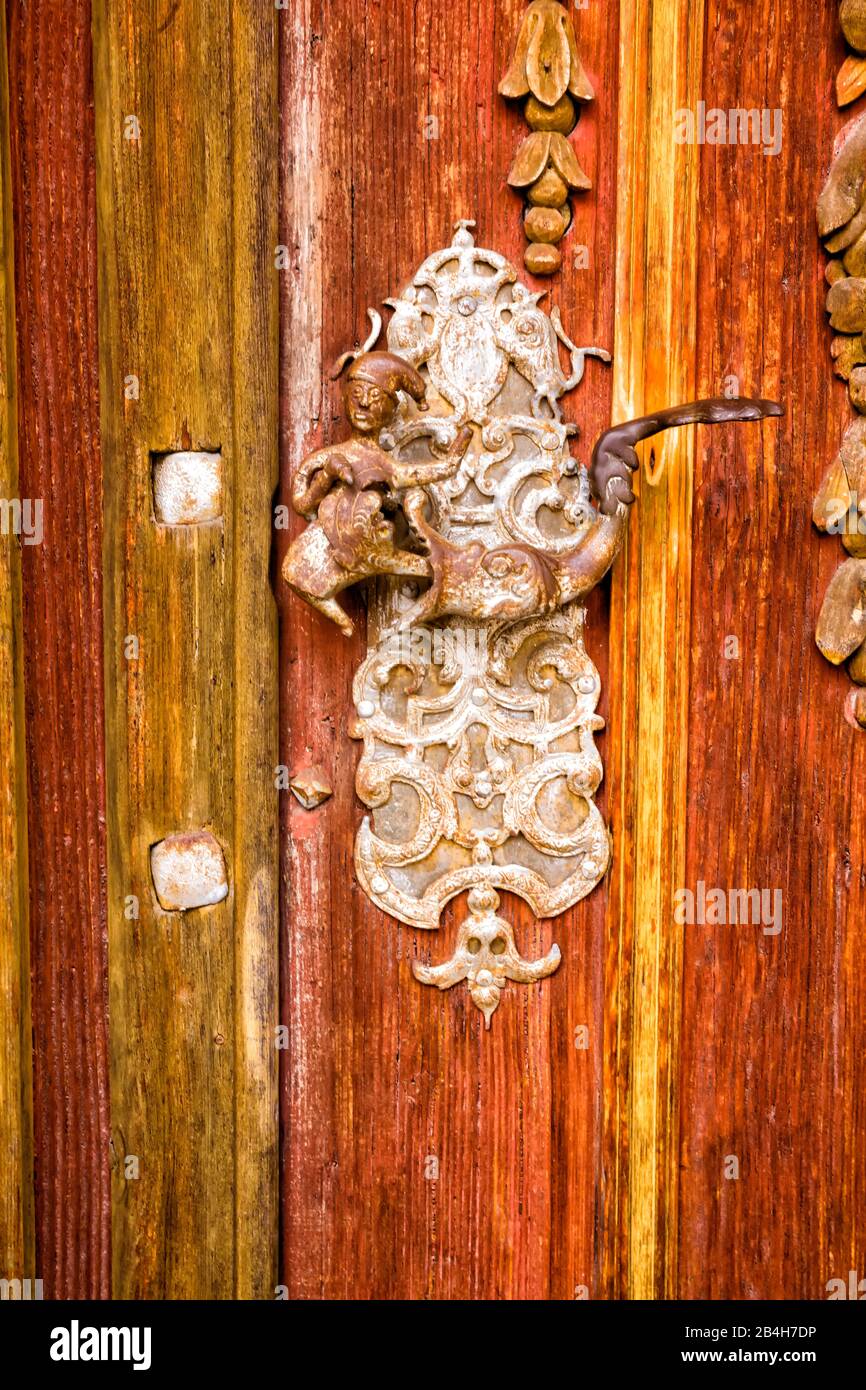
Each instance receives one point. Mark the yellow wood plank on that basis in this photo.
(187, 163)
(16, 1109)
(654, 365)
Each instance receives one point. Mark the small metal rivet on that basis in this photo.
(586, 684)
(484, 978)
(188, 870)
(589, 868)
(380, 884)
(366, 709)
(479, 696)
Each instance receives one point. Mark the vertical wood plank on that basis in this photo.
(17, 1251)
(53, 192)
(773, 1067)
(188, 298)
(384, 1075)
(654, 364)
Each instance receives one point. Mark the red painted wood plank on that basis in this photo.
(772, 1056)
(383, 1074)
(52, 140)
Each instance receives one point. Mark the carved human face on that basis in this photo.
(368, 407)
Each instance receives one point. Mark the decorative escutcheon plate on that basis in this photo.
(479, 756)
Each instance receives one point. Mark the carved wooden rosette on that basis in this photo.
(479, 761)
(840, 505)
(547, 72)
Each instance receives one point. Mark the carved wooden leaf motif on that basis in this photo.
(530, 161)
(832, 499)
(546, 61)
(543, 148)
(842, 194)
(578, 83)
(842, 624)
(515, 83)
(546, 69)
(841, 213)
(564, 161)
(851, 80)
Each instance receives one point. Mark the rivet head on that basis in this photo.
(589, 868)
(467, 307)
(366, 709)
(188, 871)
(484, 978)
(380, 884)
(586, 685)
(311, 787)
(479, 696)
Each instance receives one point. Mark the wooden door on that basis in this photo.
(256, 1098)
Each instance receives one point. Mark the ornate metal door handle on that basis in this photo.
(477, 700)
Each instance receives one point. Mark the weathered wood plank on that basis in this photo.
(17, 1253)
(187, 237)
(772, 1068)
(52, 144)
(654, 364)
(384, 1075)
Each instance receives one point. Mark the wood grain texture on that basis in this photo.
(654, 365)
(17, 1252)
(771, 1056)
(52, 147)
(188, 304)
(384, 1075)
(561, 1172)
